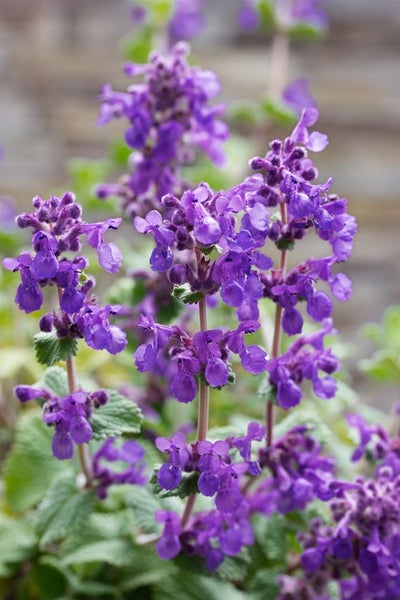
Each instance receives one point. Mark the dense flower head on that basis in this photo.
(359, 549)
(220, 467)
(69, 415)
(58, 228)
(205, 354)
(169, 116)
(299, 473)
(306, 358)
(225, 233)
(130, 455)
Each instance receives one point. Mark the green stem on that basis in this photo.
(203, 406)
(277, 338)
(83, 450)
(204, 398)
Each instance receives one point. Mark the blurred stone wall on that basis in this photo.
(56, 54)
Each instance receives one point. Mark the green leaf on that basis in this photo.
(192, 586)
(147, 569)
(30, 467)
(278, 111)
(50, 349)
(185, 295)
(138, 46)
(17, 544)
(63, 510)
(117, 552)
(55, 379)
(285, 244)
(144, 505)
(263, 585)
(118, 417)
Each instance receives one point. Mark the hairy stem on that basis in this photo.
(279, 61)
(203, 404)
(277, 337)
(83, 450)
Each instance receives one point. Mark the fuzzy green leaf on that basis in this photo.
(185, 295)
(55, 379)
(119, 416)
(50, 349)
(187, 487)
(30, 467)
(117, 552)
(17, 544)
(191, 586)
(63, 510)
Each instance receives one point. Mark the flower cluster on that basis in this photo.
(57, 231)
(296, 472)
(225, 529)
(360, 551)
(299, 473)
(279, 205)
(306, 358)
(205, 354)
(169, 116)
(130, 453)
(70, 415)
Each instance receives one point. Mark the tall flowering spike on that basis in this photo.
(306, 358)
(169, 116)
(58, 229)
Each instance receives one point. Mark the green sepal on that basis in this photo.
(187, 487)
(50, 349)
(185, 295)
(283, 244)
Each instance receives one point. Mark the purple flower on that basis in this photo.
(299, 473)
(297, 95)
(169, 116)
(169, 545)
(169, 475)
(131, 453)
(110, 256)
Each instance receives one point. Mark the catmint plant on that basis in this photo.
(216, 243)
(170, 117)
(226, 499)
(56, 261)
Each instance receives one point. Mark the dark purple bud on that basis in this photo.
(74, 210)
(46, 322)
(258, 163)
(43, 214)
(100, 397)
(177, 274)
(24, 393)
(67, 198)
(23, 221)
